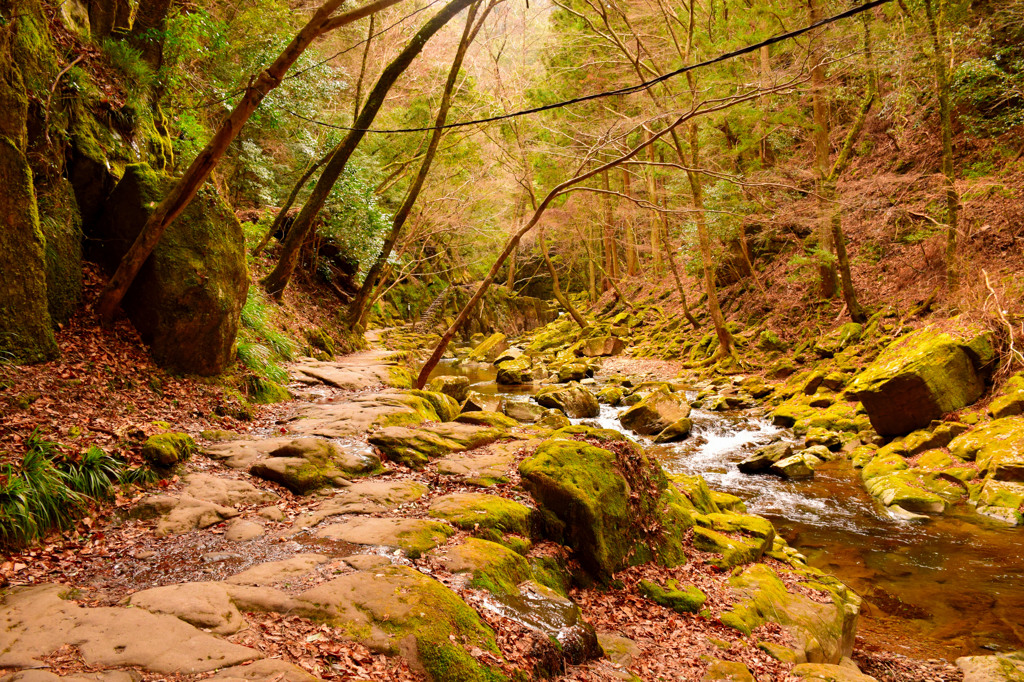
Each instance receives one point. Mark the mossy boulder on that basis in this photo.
(415, 447)
(731, 550)
(997, 448)
(823, 631)
(168, 449)
(513, 372)
(998, 668)
(489, 349)
(455, 386)
(727, 671)
(687, 599)
(302, 470)
(839, 339)
(610, 395)
(574, 400)
(763, 459)
(676, 431)
(494, 568)
(769, 341)
(479, 510)
(398, 610)
(904, 489)
(825, 672)
(1002, 500)
(697, 493)
(444, 405)
(882, 465)
(602, 346)
(187, 299)
(586, 492)
(522, 411)
(795, 467)
(656, 412)
(921, 377)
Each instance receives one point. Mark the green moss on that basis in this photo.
(479, 510)
(688, 599)
(487, 418)
(400, 377)
(416, 543)
(731, 551)
(444, 406)
(882, 465)
(168, 449)
(552, 573)
(266, 392)
(495, 568)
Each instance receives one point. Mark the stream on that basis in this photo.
(947, 587)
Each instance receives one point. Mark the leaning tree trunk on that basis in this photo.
(556, 287)
(355, 312)
(178, 199)
(276, 282)
(289, 202)
(826, 270)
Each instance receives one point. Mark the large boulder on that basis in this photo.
(515, 371)
(921, 377)
(187, 299)
(821, 629)
(603, 346)
(998, 668)
(656, 412)
(603, 515)
(489, 349)
(573, 400)
(997, 448)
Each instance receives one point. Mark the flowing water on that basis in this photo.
(947, 587)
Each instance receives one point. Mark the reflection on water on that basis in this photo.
(946, 587)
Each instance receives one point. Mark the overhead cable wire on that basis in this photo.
(628, 90)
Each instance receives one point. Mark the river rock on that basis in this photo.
(823, 631)
(997, 448)
(655, 413)
(999, 668)
(921, 377)
(762, 460)
(489, 349)
(1002, 500)
(518, 371)
(573, 400)
(727, 671)
(581, 486)
(303, 466)
(227, 492)
(511, 353)
(574, 371)
(37, 621)
(687, 599)
(204, 605)
(455, 386)
(603, 346)
(416, 447)
(478, 510)
(413, 536)
(795, 467)
(522, 411)
(397, 609)
(825, 672)
(493, 567)
(181, 514)
(478, 402)
(676, 431)
(553, 419)
(905, 489)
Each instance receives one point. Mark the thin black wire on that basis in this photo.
(628, 90)
(317, 65)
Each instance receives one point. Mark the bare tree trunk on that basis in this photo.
(632, 264)
(355, 312)
(939, 61)
(679, 282)
(358, 100)
(826, 270)
(178, 199)
(652, 196)
(283, 213)
(555, 285)
(276, 282)
(611, 260)
(447, 337)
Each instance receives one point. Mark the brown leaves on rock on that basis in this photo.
(320, 649)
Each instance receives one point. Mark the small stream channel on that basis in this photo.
(947, 587)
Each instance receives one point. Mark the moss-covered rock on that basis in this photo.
(400, 610)
(584, 488)
(997, 448)
(727, 671)
(764, 457)
(573, 399)
(517, 371)
(687, 599)
(454, 386)
(998, 668)
(921, 377)
(823, 632)
(187, 299)
(522, 411)
(494, 568)
(731, 551)
(444, 405)
(494, 420)
(906, 490)
(602, 346)
(479, 510)
(656, 412)
(489, 349)
(415, 447)
(168, 449)
(697, 493)
(825, 672)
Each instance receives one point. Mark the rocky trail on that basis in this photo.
(376, 532)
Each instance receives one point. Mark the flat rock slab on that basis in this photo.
(484, 468)
(240, 530)
(226, 492)
(264, 671)
(351, 458)
(204, 605)
(36, 622)
(364, 497)
(414, 536)
(278, 571)
(356, 415)
(352, 373)
(473, 510)
(181, 514)
(46, 676)
(415, 447)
